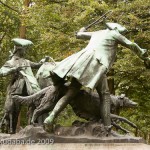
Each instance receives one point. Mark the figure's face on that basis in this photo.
(20, 51)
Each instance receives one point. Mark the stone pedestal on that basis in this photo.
(35, 138)
(79, 146)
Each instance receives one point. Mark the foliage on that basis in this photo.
(51, 25)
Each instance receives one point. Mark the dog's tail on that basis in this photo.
(29, 100)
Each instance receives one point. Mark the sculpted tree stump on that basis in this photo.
(95, 129)
(69, 131)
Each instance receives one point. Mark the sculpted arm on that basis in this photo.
(6, 70)
(41, 62)
(142, 53)
(81, 34)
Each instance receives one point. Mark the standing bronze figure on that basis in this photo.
(22, 83)
(88, 68)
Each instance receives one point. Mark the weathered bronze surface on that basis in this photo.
(89, 66)
(22, 81)
(85, 105)
(86, 69)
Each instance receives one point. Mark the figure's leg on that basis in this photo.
(40, 111)
(2, 121)
(49, 100)
(73, 90)
(30, 112)
(15, 114)
(7, 124)
(104, 94)
(11, 123)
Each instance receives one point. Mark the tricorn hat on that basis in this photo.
(21, 42)
(113, 26)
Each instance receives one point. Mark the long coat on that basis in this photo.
(22, 82)
(22, 78)
(85, 65)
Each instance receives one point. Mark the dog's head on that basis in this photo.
(126, 102)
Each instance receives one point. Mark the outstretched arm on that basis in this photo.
(41, 62)
(142, 53)
(81, 34)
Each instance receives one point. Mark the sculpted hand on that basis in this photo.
(83, 29)
(144, 53)
(46, 59)
(147, 62)
(15, 69)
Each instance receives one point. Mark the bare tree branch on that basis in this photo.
(58, 1)
(9, 7)
(2, 37)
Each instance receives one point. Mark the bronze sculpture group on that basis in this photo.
(87, 69)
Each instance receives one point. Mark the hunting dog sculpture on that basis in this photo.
(85, 105)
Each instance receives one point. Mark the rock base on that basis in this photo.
(33, 138)
(32, 135)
